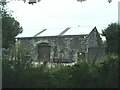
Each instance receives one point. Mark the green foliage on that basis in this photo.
(112, 34)
(10, 28)
(18, 73)
(80, 75)
(60, 78)
(109, 71)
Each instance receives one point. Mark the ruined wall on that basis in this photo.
(63, 48)
(66, 48)
(92, 38)
(95, 47)
(95, 53)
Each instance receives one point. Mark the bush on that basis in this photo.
(81, 75)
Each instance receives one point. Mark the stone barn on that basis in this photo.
(62, 48)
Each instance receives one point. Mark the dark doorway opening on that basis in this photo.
(81, 56)
(44, 52)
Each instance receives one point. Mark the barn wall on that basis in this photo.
(92, 39)
(63, 48)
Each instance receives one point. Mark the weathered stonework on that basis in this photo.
(65, 48)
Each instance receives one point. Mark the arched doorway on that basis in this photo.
(44, 50)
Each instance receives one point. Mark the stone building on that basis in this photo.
(62, 48)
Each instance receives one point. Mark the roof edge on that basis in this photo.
(50, 36)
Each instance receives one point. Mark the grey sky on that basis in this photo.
(56, 15)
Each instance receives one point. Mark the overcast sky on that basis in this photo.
(60, 14)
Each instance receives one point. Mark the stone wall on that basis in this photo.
(92, 39)
(63, 48)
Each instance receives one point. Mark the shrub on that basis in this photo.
(81, 75)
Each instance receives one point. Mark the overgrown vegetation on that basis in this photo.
(18, 72)
(102, 74)
(112, 34)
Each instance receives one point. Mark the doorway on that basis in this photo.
(44, 50)
(81, 56)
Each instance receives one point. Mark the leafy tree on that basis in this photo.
(112, 37)
(10, 27)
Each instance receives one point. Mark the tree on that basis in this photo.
(10, 27)
(112, 37)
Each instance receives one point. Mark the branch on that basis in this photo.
(35, 1)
